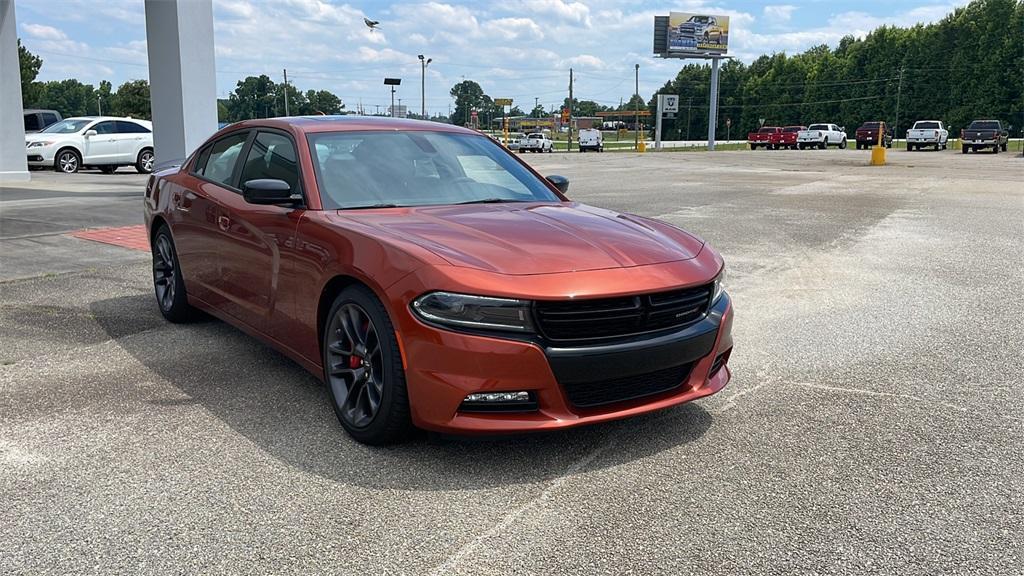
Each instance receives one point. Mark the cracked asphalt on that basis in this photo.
(873, 424)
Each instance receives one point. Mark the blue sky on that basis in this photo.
(514, 48)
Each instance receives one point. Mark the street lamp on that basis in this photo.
(636, 110)
(392, 82)
(423, 85)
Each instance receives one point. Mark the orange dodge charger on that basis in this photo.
(434, 280)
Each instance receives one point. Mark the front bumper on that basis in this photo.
(442, 367)
(41, 156)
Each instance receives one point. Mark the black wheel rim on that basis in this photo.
(355, 365)
(163, 272)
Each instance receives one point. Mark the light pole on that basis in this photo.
(636, 111)
(424, 62)
(392, 82)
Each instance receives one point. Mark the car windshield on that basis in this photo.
(67, 126)
(977, 125)
(818, 127)
(418, 168)
(926, 126)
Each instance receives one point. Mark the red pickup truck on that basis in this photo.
(763, 137)
(787, 137)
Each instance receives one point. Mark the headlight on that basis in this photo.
(719, 287)
(38, 144)
(464, 310)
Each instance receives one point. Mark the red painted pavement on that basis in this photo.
(133, 237)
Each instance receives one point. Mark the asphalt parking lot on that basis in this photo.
(873, 424)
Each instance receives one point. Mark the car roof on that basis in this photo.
(31, 110)
(350, 122)
(109, 118)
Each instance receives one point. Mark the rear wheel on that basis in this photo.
(144, 163)
(363, 369)
(1005, 145)
(995, 149)
(963, 149)
(167, 280)
(823, 144)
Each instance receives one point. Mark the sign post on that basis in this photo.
(503, 102)
(668, 106)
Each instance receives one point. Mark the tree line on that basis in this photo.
(967, 66)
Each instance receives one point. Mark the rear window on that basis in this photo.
(926, 126)
(767, 130)
(869, 126)
(818, 127)
(984, 125)
(535, 136)
(792, 129)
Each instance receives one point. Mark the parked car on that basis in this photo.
(927, 133)
(434, 280)
(764, 137)
(513, 140)
(36, 120)
(103, 142)
(591, 139)
(536, 142)
(702, 29)
(787, 137)
(821, 136)
(984, 134)
(867, 135)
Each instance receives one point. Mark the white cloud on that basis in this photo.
(778, 13)
(44, 32)
(577, 12)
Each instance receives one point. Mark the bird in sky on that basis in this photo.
(371, 24)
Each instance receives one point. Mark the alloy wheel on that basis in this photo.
(68, 162)
(163, 272)
(147, 161)
(355, 365)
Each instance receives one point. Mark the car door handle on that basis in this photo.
(224, 223)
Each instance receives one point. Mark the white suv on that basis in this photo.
(101, 141)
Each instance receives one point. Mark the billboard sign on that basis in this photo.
(690, 33)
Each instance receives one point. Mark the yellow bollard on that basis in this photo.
(878, 155)
(641, 146)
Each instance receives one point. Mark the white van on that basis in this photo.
(591, 139)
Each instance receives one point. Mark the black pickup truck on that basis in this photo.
(984, 134)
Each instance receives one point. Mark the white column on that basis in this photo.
(713, 109)
(13, 161)
(182, 79)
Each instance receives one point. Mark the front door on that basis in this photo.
(101, 147)
(257, 239)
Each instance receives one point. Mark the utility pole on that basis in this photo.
(99, 109)
(689, 103)
(536, 101)
(423, 85)
(899, 91)
(568, 145)
(636, 111)
(285, 70)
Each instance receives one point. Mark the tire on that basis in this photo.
(168, 284)
(842, 144)
(67, 161)
(361, 361)
(1006, 145)
(753, 146)
(800, 146)
(936, 146)
(995, 149)
(144, 163)
(823, 144)
(963, 149)
(108, 169)
(858, 146)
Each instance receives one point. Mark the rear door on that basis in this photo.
(257, 239)
(197, 210)
(130, 140)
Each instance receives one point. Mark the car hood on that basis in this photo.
(532, 238)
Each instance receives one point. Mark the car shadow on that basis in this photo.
(285, 411)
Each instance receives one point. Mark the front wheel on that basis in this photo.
(67, 161)
(363, 369)
(842, 144)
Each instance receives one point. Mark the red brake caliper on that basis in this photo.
(354, 361)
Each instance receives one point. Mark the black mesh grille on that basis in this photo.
(588, 394)
(581, 320)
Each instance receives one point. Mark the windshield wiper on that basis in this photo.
(489, 201)
(370, 206)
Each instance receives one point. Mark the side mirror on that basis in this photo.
(90, 133)
(268, 191)
(560, 182)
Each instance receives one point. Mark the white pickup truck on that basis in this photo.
(927, 133)
(821, 136)
(536, 142)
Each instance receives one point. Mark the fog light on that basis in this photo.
(499, 402)
(495, 397)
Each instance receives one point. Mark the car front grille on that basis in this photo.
(597, 393)
(584, 321)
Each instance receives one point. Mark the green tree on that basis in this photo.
(103, 99)
(469, 96)
(69, 97)
(538, 112)
(323, 101)
(30, 65)
(253, 97)
(132, 99)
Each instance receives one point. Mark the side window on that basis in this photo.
(218, 164)
(105, 128)
(32, 121)
(49, 118)
(272, 156)
(125, 127)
